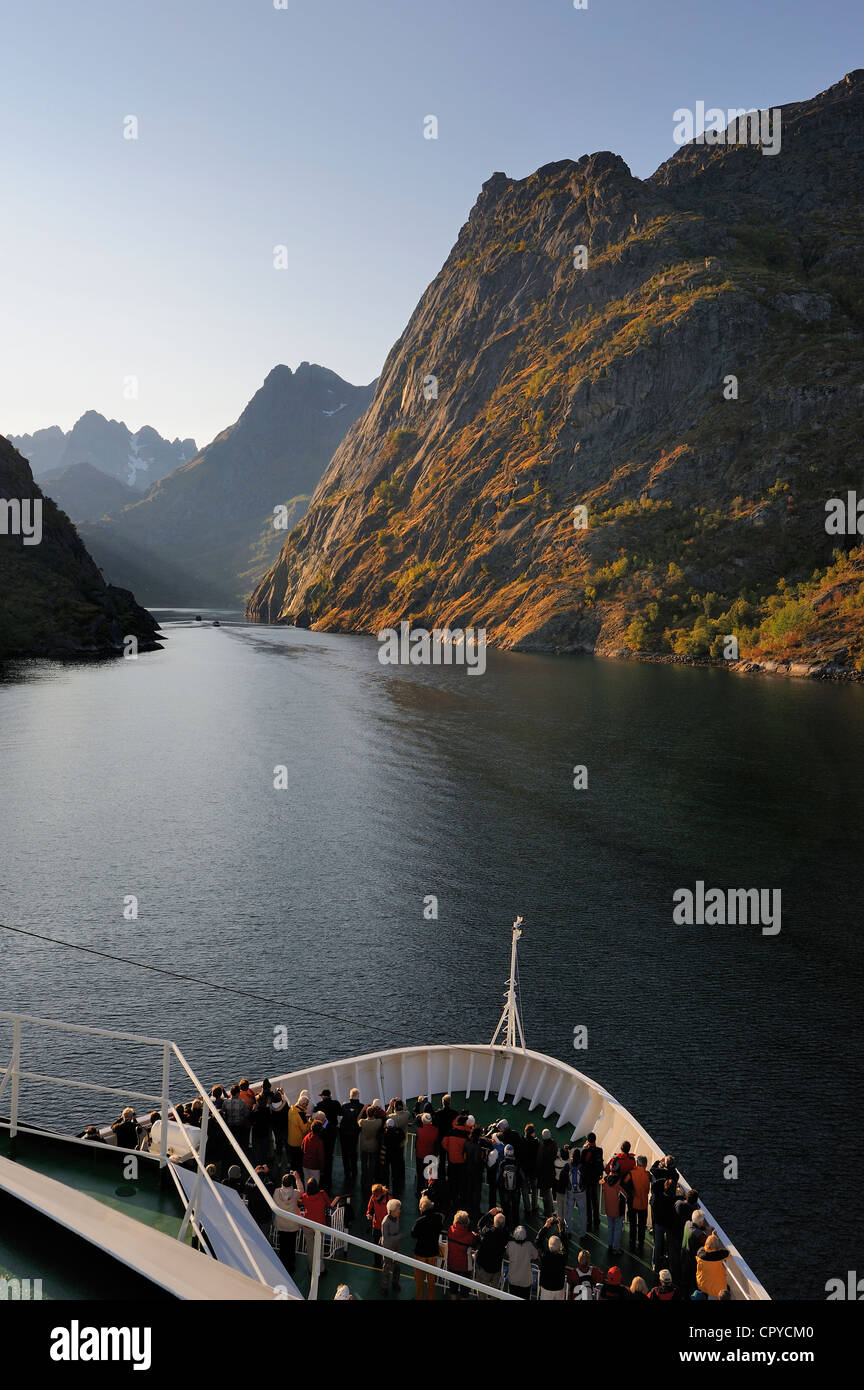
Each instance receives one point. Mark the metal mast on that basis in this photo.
(510, 1022)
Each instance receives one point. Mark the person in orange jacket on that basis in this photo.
(453, 1145)
(299, 1126)
(640, 1185)
(711, 1269)
(614, 1204)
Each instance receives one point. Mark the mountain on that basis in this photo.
(55, 602)
(138, 460)
(43, 450)
(84, 491)
(608, 386)
(205, 533)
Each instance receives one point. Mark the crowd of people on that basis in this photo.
(478, 1192)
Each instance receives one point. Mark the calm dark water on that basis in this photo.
(155, 778)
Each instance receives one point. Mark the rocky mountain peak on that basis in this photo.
(560, 380)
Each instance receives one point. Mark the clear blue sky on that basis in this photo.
(303, 127)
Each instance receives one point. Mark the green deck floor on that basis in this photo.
(351, 1268)
(97, 1171)
(33, 1247)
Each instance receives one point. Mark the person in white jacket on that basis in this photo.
(520, 1253)
(286, 1199)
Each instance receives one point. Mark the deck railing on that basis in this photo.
(14, 1074)
(580, 1104)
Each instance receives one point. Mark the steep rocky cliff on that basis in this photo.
(204, 534)
(609, 387)
(53, 600)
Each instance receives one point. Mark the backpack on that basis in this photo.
(509, 1178)
(592, 1163)
(473, 1155)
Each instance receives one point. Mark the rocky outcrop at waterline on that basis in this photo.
(53, 600)
(693, 379)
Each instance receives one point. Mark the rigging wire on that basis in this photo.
(352, 1023)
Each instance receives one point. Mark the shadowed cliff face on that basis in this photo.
(53, 600)
(608, 387)
(205, 533)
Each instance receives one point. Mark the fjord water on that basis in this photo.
(155, 778)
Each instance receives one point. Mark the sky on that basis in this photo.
(137, 276)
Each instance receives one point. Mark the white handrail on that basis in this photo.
(85, 1028)
(171, 1049)
(80, 1085)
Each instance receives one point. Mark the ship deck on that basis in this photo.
(364, 1280)
(69, 1271)
(33, 1247)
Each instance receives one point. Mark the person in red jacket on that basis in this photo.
(612, 1289)
(312, 1149)
(376, 1211)
(625, 1160)
(623, 1164)
(585, 1277)
(316, 1205)
(460, 1240)
(427, 1143)
(665, 1291)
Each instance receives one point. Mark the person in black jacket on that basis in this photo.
(437, 1191)
(260, 1131)
(126, 1129)
(510, 1185)
(591, 1163)
(394, 1145)
(349, 1134)
(279, 1108)
(685, 1205)
(553, 1270)
(475, 1169)
(443, 1121)
(332, 1110)
(426, 1233)
(530, 1151)
(664, 1188)
(546, 1155)
(551, 1228)
(490, 1253)
(259, 1209)
(510, 1136)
